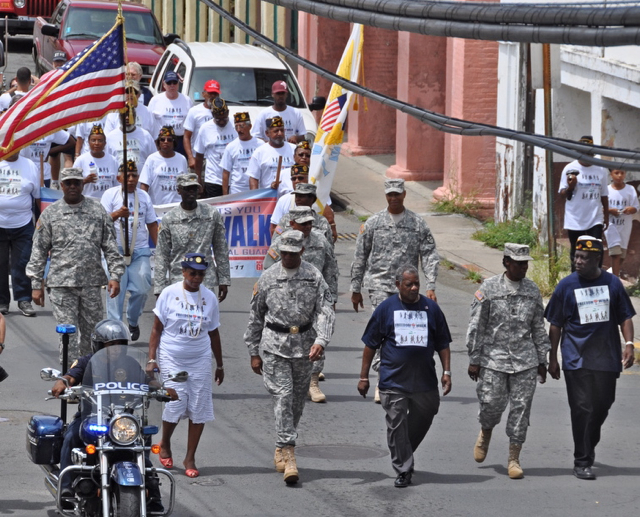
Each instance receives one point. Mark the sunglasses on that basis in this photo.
(298, 178)
(167, 139)
(304, 155)
(172, 82)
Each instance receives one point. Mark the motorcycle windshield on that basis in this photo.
(115, 382)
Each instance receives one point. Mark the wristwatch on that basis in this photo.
(447, 372)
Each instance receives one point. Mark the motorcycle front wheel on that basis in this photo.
(127, 501)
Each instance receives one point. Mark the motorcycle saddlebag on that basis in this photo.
(44, 439)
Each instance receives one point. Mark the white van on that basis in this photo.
(245, 74)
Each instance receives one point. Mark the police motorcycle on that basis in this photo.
(120, 410)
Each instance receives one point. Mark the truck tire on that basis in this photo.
(127, 499)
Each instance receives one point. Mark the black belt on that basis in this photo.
(289, 330)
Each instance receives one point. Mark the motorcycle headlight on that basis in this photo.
(124, 430)
(19, 3)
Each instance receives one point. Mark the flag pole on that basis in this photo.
(123, 119)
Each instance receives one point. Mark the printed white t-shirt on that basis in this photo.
(235, 159)
(42, 148)
(140, 145)
(168, 112)
(212, 141)
(19, 184)
(292, 118)
(619, 231)
(160, 174)
(264, 162)
(113, 200)
(584, 209)
(106, 168)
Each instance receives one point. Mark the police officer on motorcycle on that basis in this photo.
(105, 334)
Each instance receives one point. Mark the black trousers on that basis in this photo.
(212, 190)
(594, 231)
(591, 394)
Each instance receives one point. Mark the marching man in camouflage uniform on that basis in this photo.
(191, 227)
(305, 195)
(508, 347)
(389, 239)
(319, 253)
(290, 324)
(75, 230)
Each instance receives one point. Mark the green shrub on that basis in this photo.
(519, 231)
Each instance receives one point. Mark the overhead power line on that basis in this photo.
(569, 148)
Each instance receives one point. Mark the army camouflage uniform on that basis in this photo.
(320, 223)
(382, 247)
(196, 231)
(76, 237)
(507, 339)
(287, 301)
(319, 253)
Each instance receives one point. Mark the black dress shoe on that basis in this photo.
(583, 473)
(135, 333)
(67, 499)
(403, 480)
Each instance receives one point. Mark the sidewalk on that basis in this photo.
(359, 186)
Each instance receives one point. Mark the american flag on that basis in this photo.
(86, 88)
(332, 112)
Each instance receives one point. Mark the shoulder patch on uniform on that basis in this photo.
(255, 288)
(362, 228)
(479, 295)
(278, 230)
(38, 224)
(273, 254)
(74, 363)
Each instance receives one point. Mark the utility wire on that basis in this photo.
(569, 148)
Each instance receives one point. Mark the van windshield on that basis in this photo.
(245, 86)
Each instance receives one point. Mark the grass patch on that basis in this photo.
(473, 276)
(363, 218)
(539, 269)
(456, 203)
(633, 290)
(447, 264)
(519, 231)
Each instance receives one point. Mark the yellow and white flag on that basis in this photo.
(326, 148)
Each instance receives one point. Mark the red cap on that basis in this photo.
(212, 86)
(279, 86)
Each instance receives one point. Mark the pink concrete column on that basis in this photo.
(422, 75)
(332, 36)
(373, 131)
(470, 161)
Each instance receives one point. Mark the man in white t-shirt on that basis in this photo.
(63, 141)
(263, 166)
(295, 130)
(197, 117)
(161, 169)
(586, 210)
(235, 159)
(213, 138)
(170, 108)
(19, 186)
(142, 224)
(100, 169)
(140, 144)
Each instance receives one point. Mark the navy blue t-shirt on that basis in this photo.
(409, 334)
(589, 313)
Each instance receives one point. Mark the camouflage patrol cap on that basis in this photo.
(301, 214)
(306, 188)
(589, 243)
(187, 180)
(394, 185)
(518, 252)
(71, 173)
(291, 241)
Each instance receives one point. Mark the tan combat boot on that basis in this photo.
(314, 390)
(482, 445)
(278, 460)
(290, 467)
(515, 470)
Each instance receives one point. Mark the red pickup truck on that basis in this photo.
(75, 24)
(21, 14)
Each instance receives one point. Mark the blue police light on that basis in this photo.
(150, 430)
(66, 328)
(91, 429)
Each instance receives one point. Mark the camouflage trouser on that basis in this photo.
(497, 389)
(79, 306)
(318, 366)
(288, 382)
(376, 298)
